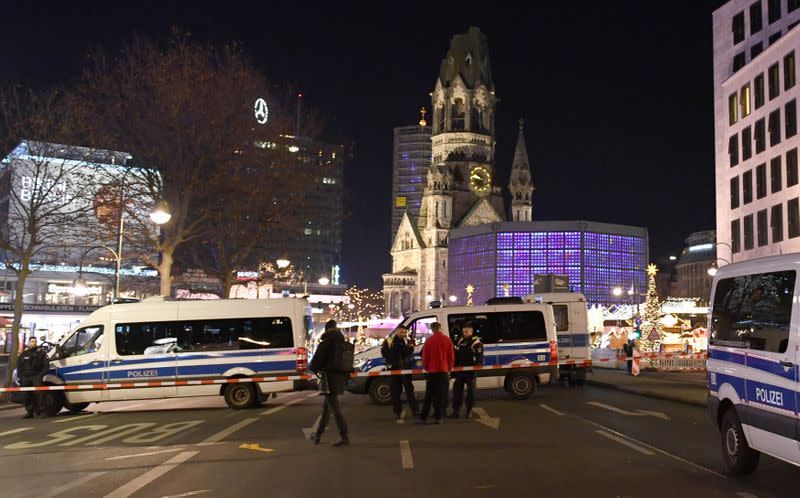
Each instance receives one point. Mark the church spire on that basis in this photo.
(521, 184)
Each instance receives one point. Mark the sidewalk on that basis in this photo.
(683, 387)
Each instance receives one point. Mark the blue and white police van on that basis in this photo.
(510, 333)
(164, 340)
(572, 329)
(754, 329)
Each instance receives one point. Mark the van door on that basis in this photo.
(82, 361)
(144, 351)
(484, 326)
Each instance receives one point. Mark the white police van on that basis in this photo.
(510, 333)
(182, 340)
(753, 361)
(572, 328)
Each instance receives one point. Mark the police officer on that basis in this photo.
(32, 365)
(398, 351)
(468, 352)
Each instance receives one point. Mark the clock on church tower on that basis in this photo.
(480, 180)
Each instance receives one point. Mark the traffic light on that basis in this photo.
(637, 332)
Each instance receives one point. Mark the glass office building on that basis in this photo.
(501, 259)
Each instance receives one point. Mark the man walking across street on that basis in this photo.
(468, 353)
(398, 351)
(33, 364)
(333, 361)
(437, 360)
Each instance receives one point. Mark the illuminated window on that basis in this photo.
(744, 100)
(788, 71)
(733, 109)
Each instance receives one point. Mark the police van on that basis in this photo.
(182, 340)
(572, 328)
(754, 329)
(511, 333)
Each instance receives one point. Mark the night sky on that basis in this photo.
(617, 96)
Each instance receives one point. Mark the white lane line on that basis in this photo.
(402, 419)
(144, 454)
(14, 431)
(189, 493)
(643, 451)
(745, 494)
(151, 475)
(10, 407)
(227, 432)
(485, 419)
(73, 418)
(405, 455)
(278, 408)
(552, 410)
(71, 485)
(614, 409)
(137, 405)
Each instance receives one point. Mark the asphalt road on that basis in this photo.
(561, 442)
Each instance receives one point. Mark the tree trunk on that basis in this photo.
(22, 276)
(165, 272)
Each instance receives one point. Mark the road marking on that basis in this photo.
(10, 407)
(74, 418)
(614, 409)
(144, 454)
(405, 455)
(137, 405)
(255, 447)
(662, 416)
(189, 493)
(14, 431)
(72, 484)
(643, 451)
(553, 410)
(151, 475)
(278, 408)
(307, 431)
(485, 419)
(227, 432)
(745, 494)
(402, 418)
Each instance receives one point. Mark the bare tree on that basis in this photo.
(46, 191)
(182, 108)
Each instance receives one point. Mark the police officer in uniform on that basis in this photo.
(468, 352)
(32, 365)
(398, 351)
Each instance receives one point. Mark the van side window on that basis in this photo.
(421, 328)
(204, 335)
(484, 325)
(561, 314)
(83, 341)
(523, 326)
(753, 311)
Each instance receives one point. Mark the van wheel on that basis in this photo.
(380, 392)
(75, 407)
(240, 396)
(520, 386)
(52, 403)
(739, 457)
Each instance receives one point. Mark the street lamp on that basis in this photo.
(712, 271)
(324, 281)
(453, 298)
(283, 263)
(161, 214)
(617, 291)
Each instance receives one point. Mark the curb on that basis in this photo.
(648, 394)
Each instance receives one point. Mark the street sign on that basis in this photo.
(653, 336)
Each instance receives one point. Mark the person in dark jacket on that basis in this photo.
(32, 365)
(468, 353)
(398, 351)
(333, 381)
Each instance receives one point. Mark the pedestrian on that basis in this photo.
(437, 360)
(330, 362)
(398, 351)
(628, 349)
(32, 366)
(468, 353)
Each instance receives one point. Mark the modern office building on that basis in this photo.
(317, 250)
(691, 270)
(501, 259)
(411, 158)
(756, 142)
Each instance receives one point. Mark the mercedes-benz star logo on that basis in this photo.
(261, 111)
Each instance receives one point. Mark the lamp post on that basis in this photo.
(713, 269)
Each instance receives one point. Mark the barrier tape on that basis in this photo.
(658, 356)
(241, 380)
(155, 383)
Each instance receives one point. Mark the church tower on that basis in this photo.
(521, 184)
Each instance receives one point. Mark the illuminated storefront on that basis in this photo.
(501, 259)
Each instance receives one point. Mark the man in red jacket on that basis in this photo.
(437, 360)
